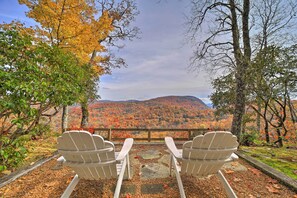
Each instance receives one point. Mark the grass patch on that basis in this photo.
(281, 159)
(44, 146)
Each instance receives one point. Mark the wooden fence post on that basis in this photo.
(109, 135)
(149, 136)
(189, 134)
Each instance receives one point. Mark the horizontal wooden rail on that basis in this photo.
(191, 132)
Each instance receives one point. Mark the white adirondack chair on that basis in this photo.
(92, 158)
(203, 156)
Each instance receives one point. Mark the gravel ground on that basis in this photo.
(46, 182)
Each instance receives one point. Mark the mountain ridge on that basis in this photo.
(172, 99)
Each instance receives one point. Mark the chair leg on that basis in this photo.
(170, 165)
(229, 190)
(120, 179)
(178, 178)
(128, 166)
(70, 187)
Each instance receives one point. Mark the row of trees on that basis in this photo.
(252, 42)
(56, 63)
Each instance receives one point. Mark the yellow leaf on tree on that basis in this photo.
(72, 25)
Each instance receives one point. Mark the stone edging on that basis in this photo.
(282, 178)
(15, 175)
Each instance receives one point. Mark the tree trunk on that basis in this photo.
(85, 115)
(279, 139)
(239, 106)
(242, 63)
(266, 128)
(259, 116)
(64, 118)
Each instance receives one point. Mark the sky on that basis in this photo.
(158, 62)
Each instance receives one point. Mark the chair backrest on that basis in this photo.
(89, 155)
(207, 153)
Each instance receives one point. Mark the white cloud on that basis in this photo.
(157, 63)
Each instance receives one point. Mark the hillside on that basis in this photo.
(162, 112)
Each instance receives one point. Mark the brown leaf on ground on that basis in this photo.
(69, 179)
(235, 164)
(272, 181)
(128, 195)
(237, 179)
(251, 196)
(272, 189)
(255, 171)
(229, 171)
(276, 186)
(295, 196)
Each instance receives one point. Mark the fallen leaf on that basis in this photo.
(237, 179)
(295, 196)
(272, 181)
(165, 186)
(276, 186)
(255, 171)
(235, 164)
(251, 196)
(128, 195)
(229, 171)
(272, 189)
(69, 179)
(136, 157)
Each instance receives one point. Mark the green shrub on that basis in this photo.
(248, 139)
(12, 153)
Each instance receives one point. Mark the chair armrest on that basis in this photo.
(172, 148)
(234, 157)
(125, 149)
(61, 160)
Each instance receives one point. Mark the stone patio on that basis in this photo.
(159, 170)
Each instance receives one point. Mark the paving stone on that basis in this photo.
(131, 189)
(165, 159)
(151, 188)
(131, 173)
(134, 159)
(153, 170)
(234, 166)
(150, 154)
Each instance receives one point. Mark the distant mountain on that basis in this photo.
(161, 112)
(186, 101)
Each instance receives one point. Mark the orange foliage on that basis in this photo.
(155, 113)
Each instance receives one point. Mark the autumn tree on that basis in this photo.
(88, 29)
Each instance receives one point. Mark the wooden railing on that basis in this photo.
(113, 134)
